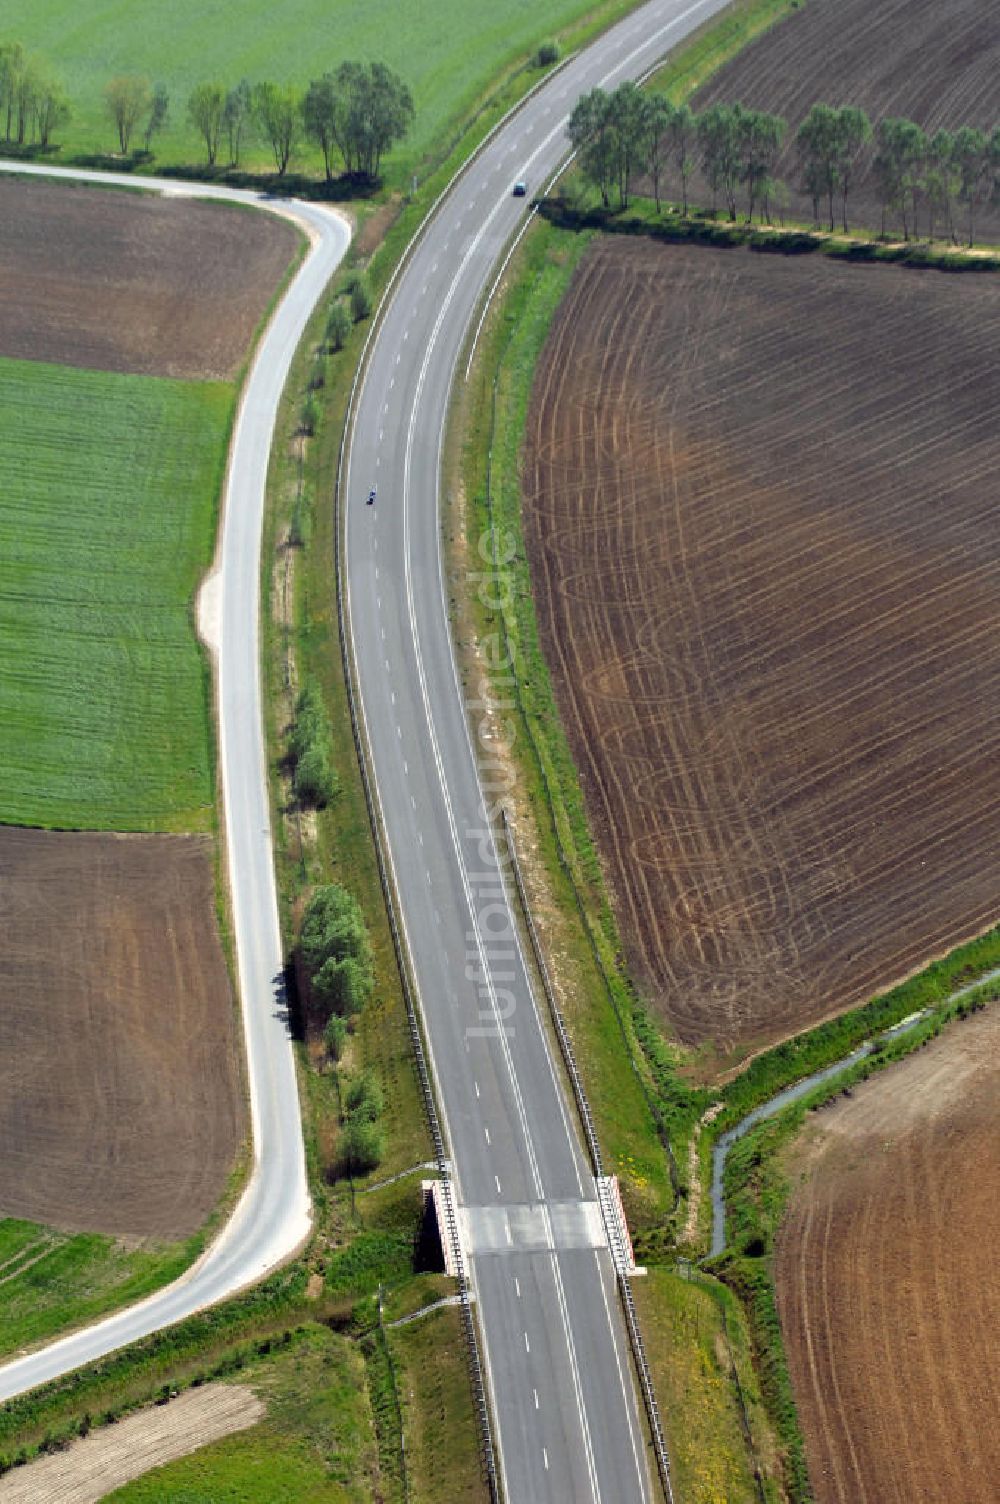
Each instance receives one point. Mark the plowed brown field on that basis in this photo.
(120, 1102)
(136, 283)
(889, 1285)
(761, 514)
(102, 1462)
(936, 64)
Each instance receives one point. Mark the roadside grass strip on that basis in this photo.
(51, 1281)
(109, 487)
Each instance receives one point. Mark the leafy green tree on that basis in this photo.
(277, 113)
(887, 168)
(156, 120)
(657, 116)
(335, 951)
(853, 133)
(974, 171)
(314, 781)
(683, 137)
(899, 166)
(592, 136)
(759, 137)
(13, 64)
(338, 325)
(363, 1098)
(51, 109)
(237, 115)
(335, 1037)
(206, 106)
(309, 721)
(374, 111)
(127, 100)
(817, 143)
(319, 115)
(628, 107)
(361, 300)
(719, 142)
(942, 181)
(360, 1148)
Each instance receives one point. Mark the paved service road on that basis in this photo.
(272, 1217)
(554, 1343)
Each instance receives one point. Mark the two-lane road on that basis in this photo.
(554, 1342)
(272, 1217)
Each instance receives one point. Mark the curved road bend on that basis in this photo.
(272, 1216)
(554, 1344)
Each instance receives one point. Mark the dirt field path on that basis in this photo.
(92, 1468)
(888, 1282)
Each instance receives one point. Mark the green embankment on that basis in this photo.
(50, 1281)
(316, 1441)
(710, 1400)
(449, 52)
(109, 490)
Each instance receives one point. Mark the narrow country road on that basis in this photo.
(272, 1217)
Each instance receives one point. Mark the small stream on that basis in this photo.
(799, 1089)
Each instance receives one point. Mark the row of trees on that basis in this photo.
(33, 103)
(913, 170)
(358, 111)
(625, 135)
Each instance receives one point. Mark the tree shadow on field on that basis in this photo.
(342, 189)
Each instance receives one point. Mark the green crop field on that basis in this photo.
(109, 488)
(447, 50)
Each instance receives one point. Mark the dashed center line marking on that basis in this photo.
(517, 1286)
(487, 1132)
(535, 1393)
(527, 1344)
(545, 1459)
(497, 1179)
(476, 1085)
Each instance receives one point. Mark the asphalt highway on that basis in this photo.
(555, 1351)
(273, 1216)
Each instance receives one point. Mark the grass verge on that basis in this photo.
(110, 489)
(51, 1282)
(316, 1441)
(717, 1432)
